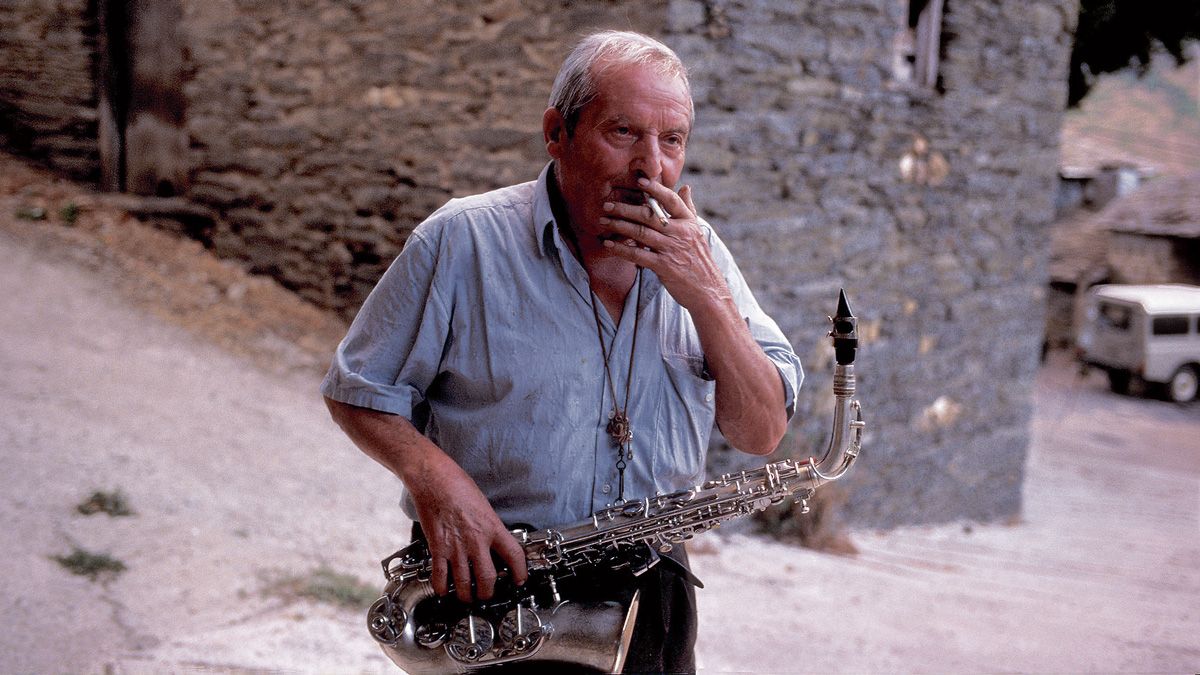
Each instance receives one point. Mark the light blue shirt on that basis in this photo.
(482, 334)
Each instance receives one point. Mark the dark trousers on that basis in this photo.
(664, 637)
(664, 633)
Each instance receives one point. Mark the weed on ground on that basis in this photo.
(327, 586)
(113, 503)
(95, 566)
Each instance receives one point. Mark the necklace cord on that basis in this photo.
(619, 427)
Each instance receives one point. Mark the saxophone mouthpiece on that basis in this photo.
(845, 332)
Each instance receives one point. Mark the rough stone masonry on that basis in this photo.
(320, 132)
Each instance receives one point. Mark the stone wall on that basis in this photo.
(824, 168)
(47, 84)
(322, 131)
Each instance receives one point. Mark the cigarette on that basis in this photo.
(658, 210)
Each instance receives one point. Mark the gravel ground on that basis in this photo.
(135, 362)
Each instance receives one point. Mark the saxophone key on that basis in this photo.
(471, 640)
(386, 620)
(431, 635)
(520, 629)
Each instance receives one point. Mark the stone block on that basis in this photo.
(686, 15)
(496, 139)
(711, 158)
(281, 137)
(812, 87)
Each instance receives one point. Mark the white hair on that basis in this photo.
(576, 84)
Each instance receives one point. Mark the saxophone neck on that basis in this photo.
(848, 423)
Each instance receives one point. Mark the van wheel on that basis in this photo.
(1183, 385)
(1118, 381)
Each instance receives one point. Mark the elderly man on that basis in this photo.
(544, 350)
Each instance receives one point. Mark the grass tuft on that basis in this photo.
(91, 565)
(113, 503)
(343, 590)
(69, 213)
(329, 587)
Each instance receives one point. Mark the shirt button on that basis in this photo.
(708, 397)
(606, 489)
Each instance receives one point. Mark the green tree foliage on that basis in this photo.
(1118, 34)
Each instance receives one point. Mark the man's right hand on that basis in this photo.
(460, 525)
(462, 531)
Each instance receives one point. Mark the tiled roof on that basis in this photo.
(1166, 206)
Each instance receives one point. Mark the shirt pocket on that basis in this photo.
(686, 408)
(678, 340)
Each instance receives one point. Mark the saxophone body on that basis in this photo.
(555, 617)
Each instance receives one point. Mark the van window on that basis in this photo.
(1115, 317)
(1170, 325)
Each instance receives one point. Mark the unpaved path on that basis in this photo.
(112, 380)
(1100, 575)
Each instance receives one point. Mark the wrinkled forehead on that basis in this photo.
(641, 86)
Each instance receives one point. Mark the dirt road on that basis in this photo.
(1101, 574)
(244, 493)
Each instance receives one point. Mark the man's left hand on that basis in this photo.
(750, 396)
(676, 250)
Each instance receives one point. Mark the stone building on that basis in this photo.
(903, 149)
(1148, 234)
(1079, 243)
(1155, 233)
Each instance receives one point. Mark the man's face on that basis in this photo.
(637, 126)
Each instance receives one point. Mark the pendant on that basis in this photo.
(620, 429)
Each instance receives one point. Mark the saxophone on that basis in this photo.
(544, 620)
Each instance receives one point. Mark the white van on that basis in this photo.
(1147, 333)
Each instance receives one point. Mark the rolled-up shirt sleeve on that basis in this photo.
(391, 354)
(785, 360)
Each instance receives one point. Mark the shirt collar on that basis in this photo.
(550, 243)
